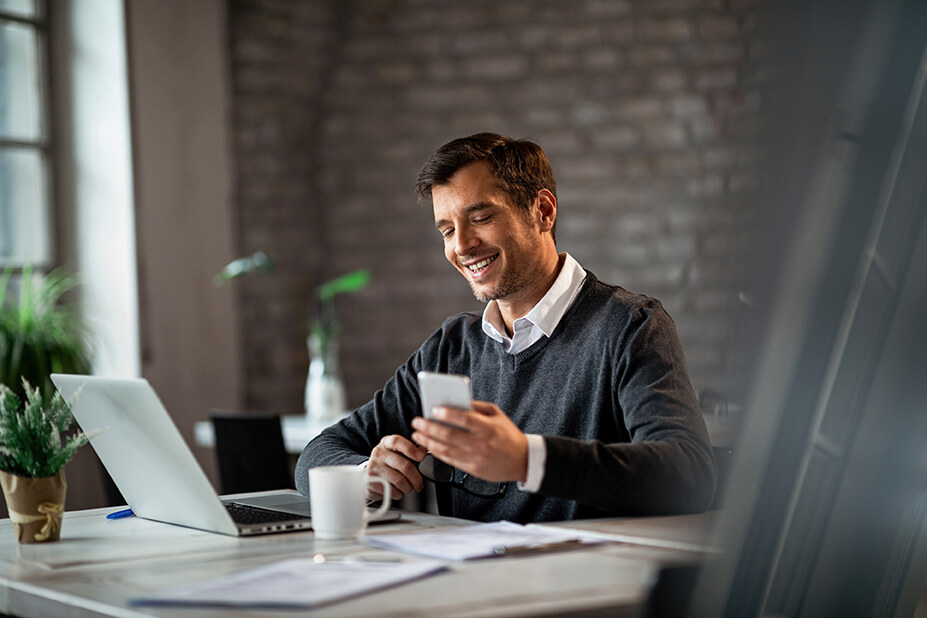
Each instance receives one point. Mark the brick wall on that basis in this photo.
(645, 109)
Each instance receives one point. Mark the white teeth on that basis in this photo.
(475, 267)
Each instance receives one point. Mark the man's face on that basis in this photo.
(495, 245)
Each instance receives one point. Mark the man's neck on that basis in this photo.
(513, 308)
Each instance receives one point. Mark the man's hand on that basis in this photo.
(489, 446)
(393, 460)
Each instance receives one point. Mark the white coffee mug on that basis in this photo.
(338, 498)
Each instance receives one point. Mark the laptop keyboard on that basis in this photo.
(246, 514)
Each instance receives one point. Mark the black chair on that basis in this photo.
(250, 452)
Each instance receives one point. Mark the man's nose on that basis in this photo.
(464, 240)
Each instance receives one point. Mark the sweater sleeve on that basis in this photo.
(668, 465)
(351, 440)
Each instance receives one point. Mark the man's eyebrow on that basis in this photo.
(468, 210)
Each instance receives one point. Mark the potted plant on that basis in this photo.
(40, 335)
(33, 452)
(325, 393)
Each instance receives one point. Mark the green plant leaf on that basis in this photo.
(257, 262)
(350, 282)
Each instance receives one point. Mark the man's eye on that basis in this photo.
(482, 219)
(446, 233)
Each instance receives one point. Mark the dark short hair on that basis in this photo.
(520, 166)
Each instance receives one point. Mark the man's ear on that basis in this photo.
(546, 212)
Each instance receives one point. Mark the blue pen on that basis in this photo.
(120, 514)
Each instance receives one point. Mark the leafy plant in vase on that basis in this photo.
(40, 335)
(33, 453)
(325, 393)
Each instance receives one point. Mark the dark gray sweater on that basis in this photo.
(608, 391)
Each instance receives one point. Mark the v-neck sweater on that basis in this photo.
(608, 390)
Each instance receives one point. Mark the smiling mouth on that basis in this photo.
(478, 267)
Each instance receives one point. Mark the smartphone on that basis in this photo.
(443, 389)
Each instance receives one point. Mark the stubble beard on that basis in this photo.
(509, 283)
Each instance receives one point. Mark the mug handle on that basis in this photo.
(368, 516)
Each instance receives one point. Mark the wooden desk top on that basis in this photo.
(100, 564)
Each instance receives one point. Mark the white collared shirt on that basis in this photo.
(540, 322)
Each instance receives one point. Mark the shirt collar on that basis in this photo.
(545, 315)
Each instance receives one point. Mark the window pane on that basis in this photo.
(24, 223)
(20, 108)
(20, 8)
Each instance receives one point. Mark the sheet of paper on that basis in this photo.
(295, 584)
(481, 540)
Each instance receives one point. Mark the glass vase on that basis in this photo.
(325, 394)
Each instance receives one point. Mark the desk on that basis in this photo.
(297, 431)
(99, 564)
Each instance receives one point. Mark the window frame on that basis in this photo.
(45, 144)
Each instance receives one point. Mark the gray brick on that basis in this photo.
(586, 169)
(675, 248)
(602, 58)
(637, 108)
(662, 135)
(557, 61)
(609, 8)
(679, 163)
(704, 129)
(719, 157)
(440, 70)
(648, 55)
(625, 254)
(634, 167)
(399, 72)
(688, 105)
(588, 114)
(665, 29)
(706, 186)
(582, 36)
(496, 67)
(452, 97)
(617, 138)
(479, 42)
(718, 26)
(544, 117)
(715, 78)
(668, 79)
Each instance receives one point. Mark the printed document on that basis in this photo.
(295, 584)
(482, 540)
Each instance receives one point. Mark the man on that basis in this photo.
(582, 404)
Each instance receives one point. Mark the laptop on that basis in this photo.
(154, 469)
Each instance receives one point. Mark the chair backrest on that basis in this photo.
(250, 452)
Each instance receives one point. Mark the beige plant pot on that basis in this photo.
(35, 505)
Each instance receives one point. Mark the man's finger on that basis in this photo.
(441, 431)
(400, 484)
(486, 408)
(455, 416)
(403, 446)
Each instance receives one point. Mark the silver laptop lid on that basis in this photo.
(144, 452)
